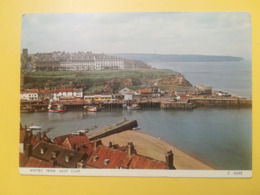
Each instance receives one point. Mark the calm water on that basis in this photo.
(221, 137)
(232, 77)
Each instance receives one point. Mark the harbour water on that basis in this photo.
(220, 137)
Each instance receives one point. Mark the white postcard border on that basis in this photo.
(137, 173)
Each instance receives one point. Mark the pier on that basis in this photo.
(221, 102)
(113, 128)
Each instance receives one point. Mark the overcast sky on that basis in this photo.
(208, 33)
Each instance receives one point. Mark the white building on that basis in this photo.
(29, 94)
(78, 65)
(66, 93)
(108, 62)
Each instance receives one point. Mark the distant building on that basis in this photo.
(204, 90)
(79, 61)
(98, 98)
(24, 58)
(29, 94)
(156, 91)
(145, 93)
(66, 93)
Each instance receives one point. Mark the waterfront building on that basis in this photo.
(155, 91)
(98, 98)
(204, 90)
(145, 93)
(29, 94)
(66, 93)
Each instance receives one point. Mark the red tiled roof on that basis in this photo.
(145, 90)
(63, 90)
(59, 140)
(78, 139)
(81, 142)
(116, 158)
(32, 90)
(45, 91)
(33, 162)
(142, 162)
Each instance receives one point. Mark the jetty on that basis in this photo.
(120, 126)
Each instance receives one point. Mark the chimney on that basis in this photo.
(110, 145)
(38, 136)
(169, 159)
(95, 145)
(28, 149)
(130, 148)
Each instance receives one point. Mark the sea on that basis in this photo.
(221, 137)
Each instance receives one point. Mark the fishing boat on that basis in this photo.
(134, 107)
(92, 109)
(56, 108)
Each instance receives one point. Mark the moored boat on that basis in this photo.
(134, 107)
(56, 108)
(92, 109)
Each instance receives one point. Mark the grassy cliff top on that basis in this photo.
(108, 74)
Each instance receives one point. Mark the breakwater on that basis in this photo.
(113, 128)
(221, 102)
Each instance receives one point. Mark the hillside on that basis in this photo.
(106, 81)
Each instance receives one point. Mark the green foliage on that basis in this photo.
(88, 79)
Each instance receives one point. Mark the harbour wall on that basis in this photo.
(177, 105)
(113, 128)
(221, 102)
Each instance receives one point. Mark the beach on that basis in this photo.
(153, 147)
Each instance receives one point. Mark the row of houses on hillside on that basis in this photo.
(79, 61)
(77, 151)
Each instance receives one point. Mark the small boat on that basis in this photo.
(92, 109)
(124, 106)
(136, 128)
(56, 108)
(134, 107)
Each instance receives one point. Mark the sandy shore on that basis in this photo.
(153, 147)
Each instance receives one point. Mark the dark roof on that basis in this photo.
(143, 162)
(62, 152)
(116, 158)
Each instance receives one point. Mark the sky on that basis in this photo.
(205, 33)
